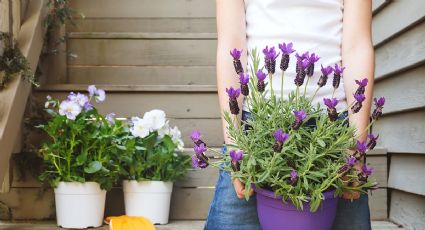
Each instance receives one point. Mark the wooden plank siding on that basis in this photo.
(398, 36)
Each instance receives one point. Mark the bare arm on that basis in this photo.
(231, 34)
(358, 58)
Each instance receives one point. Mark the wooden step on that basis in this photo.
(144, 8)
(142, 75)
(143, 35)
(133, 52)
(153, 25)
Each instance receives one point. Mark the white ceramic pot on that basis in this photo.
(79, 205)
(150, 199)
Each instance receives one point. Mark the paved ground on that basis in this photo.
(177, 225)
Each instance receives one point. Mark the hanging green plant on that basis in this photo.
(13, 62)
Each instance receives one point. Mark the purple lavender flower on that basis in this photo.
(372, 141)
(299, 118)
(377, 112)
(244, 80)
(294, 177)
(365, 173)
(236, 54)
(233, 102)
(286, 51)
(200, 149)
(302, 65)
(361, 86)
(361, 148)
(331, 104)
(261, 76)
(280, 137)
(312, 59)
(351, 160)
(359, 102)
(236, 157)
(324, 77)
(270, 56)
(196, 138)
(111, 118)
(338, 70)
(349, 163)
(197, 163)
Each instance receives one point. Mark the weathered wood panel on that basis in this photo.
(143, 75)
(377, 5)
(407, 173)
(144, 8)
(22, 203)
(175, 104)
(402, 133)
(378, 204)
(190, 203)
(386, 24)
(380, 173)
(142, 52)
(404, 91)
(158, 25)
(404, 51)
(199, 178)
(407, 210)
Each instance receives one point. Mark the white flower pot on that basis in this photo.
(79, 205)
(150, 199)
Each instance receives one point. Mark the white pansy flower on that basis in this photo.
(176, 136)
(165, 130)
(70, 109)
(156, 117)
(141, 127)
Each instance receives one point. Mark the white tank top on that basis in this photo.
(312, 25)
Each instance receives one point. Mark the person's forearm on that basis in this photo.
(231, 34)
(359, 63)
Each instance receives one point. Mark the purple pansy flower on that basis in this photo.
(281, 136)
(92, 90)
(236, 54)
(286, 48)
(98, 94)
(233, 93)
(111, 118)
(236, 155)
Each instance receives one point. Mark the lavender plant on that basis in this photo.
(291, 146)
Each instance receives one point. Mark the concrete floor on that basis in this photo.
(176, 225)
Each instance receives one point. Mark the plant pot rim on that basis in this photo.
(271, 194)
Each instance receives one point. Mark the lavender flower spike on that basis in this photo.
(270, 56)
(377, 112)
(302, 65)
(372, 141)
(233, 103)
(361, 148)
(244, 80)
(324, 77)
(261, 76)
(286, 51)
(312, 59)
(361, 86)
(197, 163)
(338, 70)
(236, 156)
(351, 160)
(365, 173)
(294, 177)
(236, 54)
(280, 137)
(359, 102)
(199, 151)
(331, 104)
(299, 118)
(196, 138)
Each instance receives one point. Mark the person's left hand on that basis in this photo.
(353, 195)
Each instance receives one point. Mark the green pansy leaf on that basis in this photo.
(93, 167)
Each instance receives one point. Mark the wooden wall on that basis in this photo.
(399, 39)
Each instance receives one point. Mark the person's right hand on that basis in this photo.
(240, 189)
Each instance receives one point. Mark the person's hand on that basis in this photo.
(353, 195)
(240, 189)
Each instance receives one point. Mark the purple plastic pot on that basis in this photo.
(276, 215)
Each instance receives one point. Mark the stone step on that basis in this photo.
(173, 225)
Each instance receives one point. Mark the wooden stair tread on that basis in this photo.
(131, 88)
(141, 35)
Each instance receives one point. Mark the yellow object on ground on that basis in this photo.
(129, 223)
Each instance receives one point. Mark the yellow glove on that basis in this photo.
(129, 223)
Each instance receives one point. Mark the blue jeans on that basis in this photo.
(227, 212)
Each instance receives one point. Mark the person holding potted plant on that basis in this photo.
(149, 163)
(77, 157)
(338, 30)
